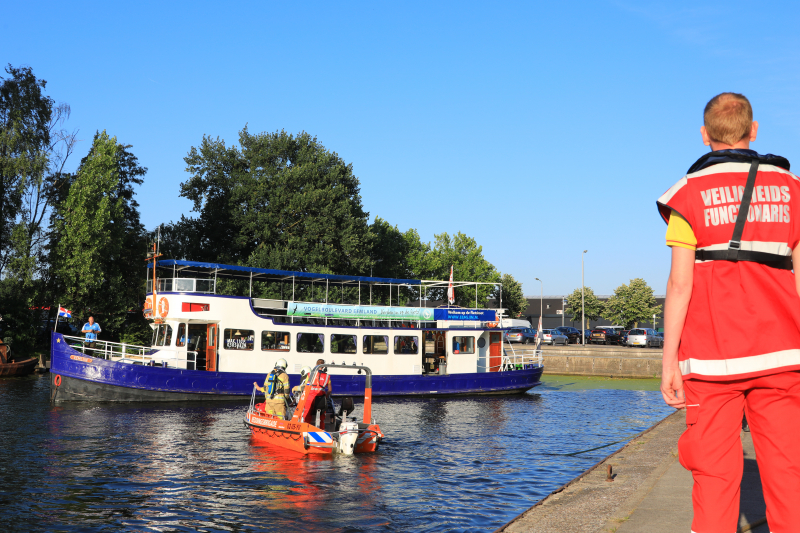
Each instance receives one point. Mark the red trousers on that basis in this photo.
(711, 448)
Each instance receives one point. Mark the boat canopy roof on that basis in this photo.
(200, 268)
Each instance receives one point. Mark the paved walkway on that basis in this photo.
(651, 492)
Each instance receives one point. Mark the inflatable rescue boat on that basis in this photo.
(314, 425)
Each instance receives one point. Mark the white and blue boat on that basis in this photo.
(209, 346)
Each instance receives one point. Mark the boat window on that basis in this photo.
(463, 344)
(275, 340)
(181, 337)
(167, 335)
(310, 343)
(376, 344)
(405, 344)
(204, 285)
(238, 339)
(343, 343)
(184, 285)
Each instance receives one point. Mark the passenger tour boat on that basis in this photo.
(210, 346)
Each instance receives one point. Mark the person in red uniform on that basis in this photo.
(732, 320)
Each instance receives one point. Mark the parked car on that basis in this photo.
(514, 335)
(605, 336)
(573, 334)
(588, 334)
(645, 338)
(551, 336)
(623, 337)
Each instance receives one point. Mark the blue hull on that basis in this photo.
(75, 376)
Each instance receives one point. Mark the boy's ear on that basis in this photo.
(753, 131)
(704, 134)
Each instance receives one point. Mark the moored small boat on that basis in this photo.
(10, 367)
(313, 425)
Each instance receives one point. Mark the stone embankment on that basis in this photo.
(606, 361)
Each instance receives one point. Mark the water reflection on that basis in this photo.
(449, 464)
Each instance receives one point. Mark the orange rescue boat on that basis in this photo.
(314, 425)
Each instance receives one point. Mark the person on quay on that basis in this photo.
(91, 329)
(734, 230)
(276, 390)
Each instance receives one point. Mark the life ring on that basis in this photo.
(163, 307)
(492, 324)
(148, 308)
(57, 380)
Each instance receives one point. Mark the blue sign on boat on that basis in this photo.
(484, 315)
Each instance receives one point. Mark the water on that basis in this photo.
(448, 465)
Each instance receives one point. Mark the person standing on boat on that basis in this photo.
(305, 373)
(322, 379)
(734, 230)
(276, 390)
(91, 328)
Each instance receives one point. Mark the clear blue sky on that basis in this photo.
(540, 130)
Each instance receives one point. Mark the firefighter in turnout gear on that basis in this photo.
(305, 373)
(276, 390)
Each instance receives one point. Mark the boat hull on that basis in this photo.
(21, 368)
(75, 376)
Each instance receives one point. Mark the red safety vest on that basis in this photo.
(318, 382)
(743, 318)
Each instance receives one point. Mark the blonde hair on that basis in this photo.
(728, 118)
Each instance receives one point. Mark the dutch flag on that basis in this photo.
(64, 312)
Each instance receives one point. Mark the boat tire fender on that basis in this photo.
(57, 380)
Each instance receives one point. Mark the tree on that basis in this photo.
(631, 304)
(513, 299)
(280, 201)
(466, 257)
(89, 238)
(25, 113)
(592, 306)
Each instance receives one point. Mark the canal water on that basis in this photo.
(447, 465)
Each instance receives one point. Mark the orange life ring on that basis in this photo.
(57, 380)
(163, 307)
(148, 308)
(492, 324)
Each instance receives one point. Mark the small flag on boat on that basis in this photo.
(64, 312)
(539, 335)
(451, 295)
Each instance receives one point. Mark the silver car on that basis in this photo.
(551, 336)
(645, 338)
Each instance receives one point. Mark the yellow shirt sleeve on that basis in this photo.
(679, 233)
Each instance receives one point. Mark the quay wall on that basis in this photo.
(604, 361)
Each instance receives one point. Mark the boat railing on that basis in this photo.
(521, 358)
(130, 353)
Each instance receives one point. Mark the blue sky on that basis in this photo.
(540, 130)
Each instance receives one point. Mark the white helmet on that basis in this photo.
(306, 370)
(281, 363)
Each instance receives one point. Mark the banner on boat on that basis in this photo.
(374, 312)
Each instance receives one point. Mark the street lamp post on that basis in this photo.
(541, 304)
(583, 312)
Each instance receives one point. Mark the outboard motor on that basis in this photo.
(348, 434)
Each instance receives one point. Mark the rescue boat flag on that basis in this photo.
(451, 295)
(64, 312)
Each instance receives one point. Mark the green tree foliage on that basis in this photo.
(91, 236)
(397, 255)
(466, 256)
(25, 113)
(593, 307)
(279, 201)
(513, 299)
(631, 304)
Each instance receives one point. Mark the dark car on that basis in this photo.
(623, 337)
(605, 336)
(573, 334)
